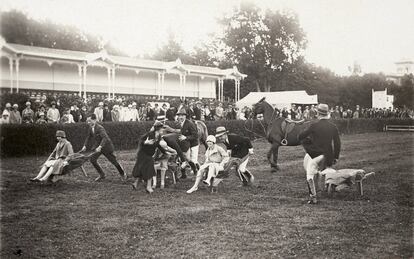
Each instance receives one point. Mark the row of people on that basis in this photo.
(183, 142)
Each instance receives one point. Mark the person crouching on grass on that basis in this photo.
(144, 166)
(216, 158)
(54, 163)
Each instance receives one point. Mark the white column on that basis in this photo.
(17, 75)
(221, 89)
(162, 85)
(184, 80)
(113, 83)
(181, 86)
(80, 79)
(238, 90)
(11, 74)
(84, 82)
(158, 87)
(109, 82)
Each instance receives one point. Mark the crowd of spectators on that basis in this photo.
(197, 110)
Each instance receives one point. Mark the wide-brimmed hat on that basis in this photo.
(60, 133)
(211, 138)
(182, 112)
(16, 105)
(8, 105)
(5, 112)
(221, 131)
(322, 109)
(28, 103)
(41, 114)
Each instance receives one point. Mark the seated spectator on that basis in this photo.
(106, 113)
(53, 115)
(197, 110)
(206, 114)
(135, 114)
(28, 114)
(149, 113)
(83, 114)
(54, 163)
(5, 117)
(231, 113)
(99, 112)
(76, 114)
(67, 117)
(285, 113)
(171, 113)
(219, 115)
(15, 117)
(306, 113)
(156, 110)
(141, 112)
(115, 114)
(41, 119)
(216, 158)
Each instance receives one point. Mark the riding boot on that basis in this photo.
(194, 167)
(312, 192)
(183, 173)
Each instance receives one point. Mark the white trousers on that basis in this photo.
(242, 166)
(312, 165)
(191, 155)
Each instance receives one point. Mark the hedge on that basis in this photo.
(34, 139)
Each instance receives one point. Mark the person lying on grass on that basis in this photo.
(55, 162)
(216, 158)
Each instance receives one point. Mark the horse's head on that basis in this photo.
(259, 107)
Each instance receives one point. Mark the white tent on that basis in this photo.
(278, 99)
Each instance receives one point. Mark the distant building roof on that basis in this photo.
(25, 51)
(279, 99)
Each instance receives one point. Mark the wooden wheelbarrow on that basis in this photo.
(76, 160)
(337, 180)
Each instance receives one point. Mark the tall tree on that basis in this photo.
(16, 27)
(264, 45)
(171, 51)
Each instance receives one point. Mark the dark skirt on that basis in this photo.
(144, 166)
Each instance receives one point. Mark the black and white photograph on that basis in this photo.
(207, 129)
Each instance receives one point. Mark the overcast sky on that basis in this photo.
(375, 33)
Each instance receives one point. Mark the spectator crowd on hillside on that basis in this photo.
(197, 110)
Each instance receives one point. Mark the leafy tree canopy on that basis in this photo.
(17, 27)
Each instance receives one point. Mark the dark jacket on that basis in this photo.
(197, 113)
(99, 138)
(107, 116)
(150, 114)
(238, 145)
(189, 129)
(174, 143)
(318, 138)
(170, 114)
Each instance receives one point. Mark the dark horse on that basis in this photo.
(279, 130)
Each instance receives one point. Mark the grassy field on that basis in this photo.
(78, 218)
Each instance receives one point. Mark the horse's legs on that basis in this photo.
(274, 151)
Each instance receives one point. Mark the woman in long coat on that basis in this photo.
(144, 166)
(54, 164)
